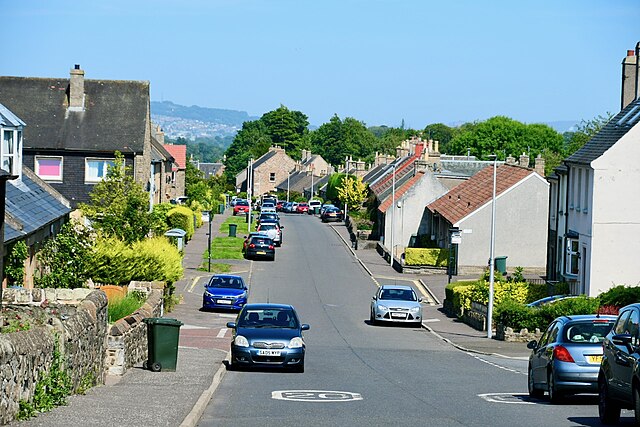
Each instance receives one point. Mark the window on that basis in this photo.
(572, 256)
(49, 168)
(579, 192)
(96, 169)
(11, 150)
(272, 177)
(585, 202)
(621, 323)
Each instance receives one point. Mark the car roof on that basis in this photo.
(230, 276)
(579, 317)
(396, 287)
(267, 306)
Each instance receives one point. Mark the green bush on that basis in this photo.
(122, 307)
(181, 217)
(461, 294)
(159, 222)
(620, 296)
(424, 256)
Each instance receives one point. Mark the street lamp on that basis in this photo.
(393, 208)
(491, 251)
(208, 213)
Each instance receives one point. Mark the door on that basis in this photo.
(541, 356)
(619, 355)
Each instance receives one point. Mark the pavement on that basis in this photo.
(143, 398)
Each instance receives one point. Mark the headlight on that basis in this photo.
(242, 295)
(382, 307)
(207, 293)
(415, 309)
(296, 343)
(241, 341)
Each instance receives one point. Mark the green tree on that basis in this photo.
(67, 258)
(441, 133)
(352, 192)
(252, 141)
(286, 128)
(119, 205)
(338, 139)
(587, 129)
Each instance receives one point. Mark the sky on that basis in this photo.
(379, 61)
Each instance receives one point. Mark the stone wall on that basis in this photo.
(506, 333)
(127, 339)
(74, 318)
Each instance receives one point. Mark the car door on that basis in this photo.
(625, 361)
(619, 355)
(539, 359)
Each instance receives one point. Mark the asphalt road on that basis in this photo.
(362, 375)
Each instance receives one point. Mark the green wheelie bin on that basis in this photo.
(163, 335)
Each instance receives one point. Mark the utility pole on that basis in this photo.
(491, 253)
(393, 208)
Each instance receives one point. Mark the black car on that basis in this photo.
(268, 335)
(619, 377)
(260, 247)
(332, 214)
(268, 217)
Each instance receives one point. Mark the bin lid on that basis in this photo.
(162, 321)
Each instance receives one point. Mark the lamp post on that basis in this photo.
(393, 207)
(249, 192)
(288, 176)
(491, 252)
(209, 240)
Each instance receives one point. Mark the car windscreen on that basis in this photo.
(268, 318)
(398, 295)
(587, 332)
(226, 282)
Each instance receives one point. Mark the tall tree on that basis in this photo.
(286, 128)
(338, 139)
(441, 133)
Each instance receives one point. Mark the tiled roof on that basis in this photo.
(403, 188)
(158, 152)
(31, 204)
(179, 153)
(610, 133)
(403, 167)
(114, 116)
(476, 191)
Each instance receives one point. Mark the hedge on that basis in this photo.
(462, 294)
(423, 256)
(181, 217)
(518, 316)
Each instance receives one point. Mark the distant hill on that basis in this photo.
(179, 121)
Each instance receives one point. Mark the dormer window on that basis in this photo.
(10, 141)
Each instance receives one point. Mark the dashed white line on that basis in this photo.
(515, 371)
(222, 333)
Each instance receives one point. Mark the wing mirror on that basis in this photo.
(533, 345)
(374, 297)
(304, 327)
(622, 339)
(231, 325)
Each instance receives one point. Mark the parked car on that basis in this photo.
(279, 205)
(294, 207)
(302, 208)
(314, 204)
(549, 300)
(248, 238)
(273, 230)
(225, 291)
(241, 207)
(268, 335)
(566, 359)
(619, 377)
(260, 246)
(332, 214)
(396, 303)
(325, 206)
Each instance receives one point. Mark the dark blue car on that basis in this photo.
(268, 335)
(225, 291)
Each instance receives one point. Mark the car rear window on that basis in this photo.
(242, 203)
(261, 241)
(267, 227)
(589, 332)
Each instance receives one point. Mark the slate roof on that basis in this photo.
(159, 152)
(30, 205)
(210, 169)
(179, 153)
(114, 117)
(470, 195)
(297, 182)
(610, 133)
(266, 156)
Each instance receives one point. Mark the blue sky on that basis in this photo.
(379, 61)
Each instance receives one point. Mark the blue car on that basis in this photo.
(268, 335)
(566, 359)
(225, 291)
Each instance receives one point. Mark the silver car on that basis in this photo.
(396, 303)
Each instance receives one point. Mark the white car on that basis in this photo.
(396, 303)
(272, 230)
(314, 204)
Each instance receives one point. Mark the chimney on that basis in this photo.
(76, 89)
(436, 146)
(539, 165)
(629, 77)
(510, 161)
(524, 161)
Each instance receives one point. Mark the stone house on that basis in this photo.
(177, 182)
(271, 168)
(594, 226)
(78, 125)
(33, 210)
(522, 196)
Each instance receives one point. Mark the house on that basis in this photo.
(594, 226)
(209, 169)
(33, 210)
(308, 176)
(271, 168)
(522, 196)
(78, 125)
(177, 185)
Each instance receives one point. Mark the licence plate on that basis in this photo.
(261, 253)
(223, 301)
(594, 359)
(269, 352)
(399, 315)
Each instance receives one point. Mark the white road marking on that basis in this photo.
(193, 327)
(222, 333)
(430, 320)
(511, 398)
(475, 356)
(193, 283)
(321, 396)
(229, 316)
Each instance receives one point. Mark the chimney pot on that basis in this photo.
(631, 52)
(76, 67)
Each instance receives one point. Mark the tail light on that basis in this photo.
(252, 245)
(562, 354)
(270, 246)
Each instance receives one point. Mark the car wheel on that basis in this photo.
(608, 411)
(372, 318)
(636, 404)
(554, 395)
(533, 391)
